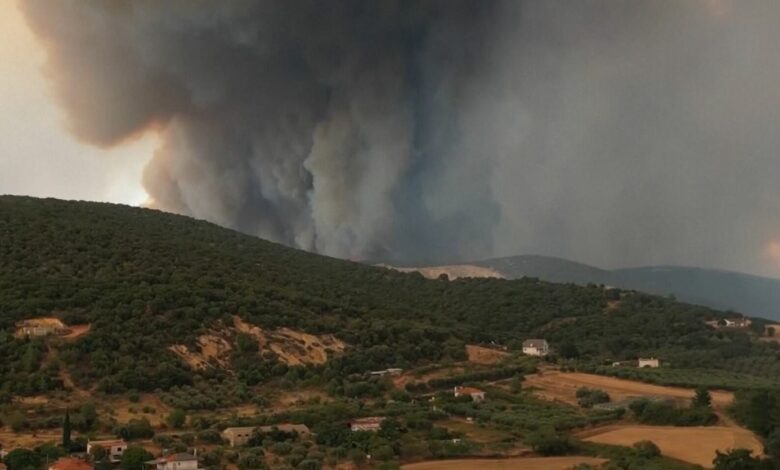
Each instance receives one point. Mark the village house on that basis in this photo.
(648, 362)
(536, 347)
(382, 373)
(372, 424)
(180, 461)
(114, 448)
(71, 463)
(475, 393)
(238, 436)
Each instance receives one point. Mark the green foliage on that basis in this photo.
(66, 429)
(587, 397)
(133, 458)
(647, 449)
(702, 399)
(135, 429)
(176, 419)
(665, 413)
(740, 459)
(22, 459)
(547, 441)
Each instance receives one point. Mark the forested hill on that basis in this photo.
(725, 290)
(146, 280)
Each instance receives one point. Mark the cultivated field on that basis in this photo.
(696, 445)
(562, 386)
(523, 463)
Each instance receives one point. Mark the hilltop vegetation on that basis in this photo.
(147, 280)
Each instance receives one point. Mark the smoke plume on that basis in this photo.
(615, 132)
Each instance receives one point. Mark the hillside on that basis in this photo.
(150, 283)
(149, 315)
(723, 290)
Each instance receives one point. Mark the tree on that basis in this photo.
(569, 350)
(22, 459)
(772, 444)
(547, 441)
(647, 449)
(66, 430)
(134, 458)
(739, 459)
(176, 418)
(702, 398)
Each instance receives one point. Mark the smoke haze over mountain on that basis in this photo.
(613, 132)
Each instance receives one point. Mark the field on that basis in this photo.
(485, 356)
(757, 372)
(523, 463)
(562, 386)
(696, 445)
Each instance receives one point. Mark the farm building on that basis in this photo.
(114, 448)
(238, 436)
(536, 347)
(475, 393)
(372, 423)
(390, 371)
(180, 461)
(648, 362)
(70, 463)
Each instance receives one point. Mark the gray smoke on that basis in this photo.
(615, 132)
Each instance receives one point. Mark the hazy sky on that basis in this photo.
(38, 156)
(617, 133)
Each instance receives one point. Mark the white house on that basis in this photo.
(180, 461)
(648, 362)
(372, 424)
(475, 393)
(536, 347)
(114, 448)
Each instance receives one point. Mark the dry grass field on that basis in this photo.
(522, 463)
(485, 356)
(696, 445)
(562, 386)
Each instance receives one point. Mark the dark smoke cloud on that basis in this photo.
(615, 132)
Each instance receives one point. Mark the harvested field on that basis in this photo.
(485, 356)
(523, 463)
(562, 386)
(696, 445)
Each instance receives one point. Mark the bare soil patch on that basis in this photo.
(452, 271)
(562, 386)
(149, 406)
(485, 356)
(523, 463)
(76, 331)
(293, 347)
(696, 445)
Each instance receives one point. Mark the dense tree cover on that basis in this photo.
(664, 413)
(759, 410)
(146, 280)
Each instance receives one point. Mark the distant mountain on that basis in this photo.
(724, 290)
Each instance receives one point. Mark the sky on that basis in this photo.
(616, 133)
(38, 155)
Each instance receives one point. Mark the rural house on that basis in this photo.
(237, 436)
(180, 461)
(70, 463)
(536, 347)
(475, 393)
(114, 448)
(648, 362)
(372, 424)
(382, 373)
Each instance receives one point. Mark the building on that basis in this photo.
(372, 424)
(238, 436)
(71, 463)
(114, 448)
(648, 362)
(475, 393)
(536, 347)
(382, 373)
(180, 461)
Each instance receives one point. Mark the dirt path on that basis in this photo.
(523, 463)
(77, 331)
